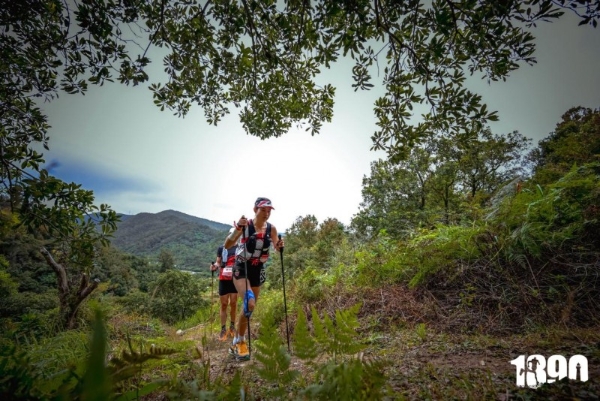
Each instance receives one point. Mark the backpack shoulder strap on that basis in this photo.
(251, 229)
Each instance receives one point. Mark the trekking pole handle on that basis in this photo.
(281, 248)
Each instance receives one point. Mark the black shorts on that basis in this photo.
(256, 274)
(226, 287)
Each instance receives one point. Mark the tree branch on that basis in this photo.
(61, 274)
(89, 289)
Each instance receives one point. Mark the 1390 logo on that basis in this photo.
(534, 370)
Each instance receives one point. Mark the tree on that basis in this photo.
(329, 238)
(429, 185)
(115, 267)
(176, 295)
(71, 231)
(445, 164)
(299, 240)
(489, 160)
(394, 195)
(166, 260)
(310, 247)
(63, 229)
(302, 233)
(576, 140)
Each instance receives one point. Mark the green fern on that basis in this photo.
(274, 359)
(202, 390)
(102, 382)
(18, 376)
(319, 333)
(232, 391)
(350, 381)
(131, 363)
(339, 337)
(304, 344)
(333, 338)
(135, 394)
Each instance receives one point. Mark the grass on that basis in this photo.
(53, 356)
(418, 361)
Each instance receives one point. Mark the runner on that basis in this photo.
(227, 291)
(252, 252)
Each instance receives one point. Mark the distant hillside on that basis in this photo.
(124, 217)
(192, 240)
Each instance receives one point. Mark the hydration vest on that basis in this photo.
(254, 248)
(227, 262)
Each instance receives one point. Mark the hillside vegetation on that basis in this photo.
(434, 306)
(193, 241)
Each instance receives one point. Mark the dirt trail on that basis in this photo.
(215, 351)
(415, 365)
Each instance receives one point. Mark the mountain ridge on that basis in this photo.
(192, 240)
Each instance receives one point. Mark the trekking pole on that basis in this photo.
(212, 299)
(246, 294)
(287, 327)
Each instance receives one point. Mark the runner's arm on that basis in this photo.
(233, 238)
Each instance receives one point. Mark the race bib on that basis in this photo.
(227, 271)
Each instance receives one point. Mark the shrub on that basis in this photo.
(175, 296)
(135, 301)
(28, 302)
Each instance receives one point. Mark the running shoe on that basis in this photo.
(223, 335)
(240, 351)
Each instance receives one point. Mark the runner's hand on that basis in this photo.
(213, 267)
(242, 222)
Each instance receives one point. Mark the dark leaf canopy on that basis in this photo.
(263, 56)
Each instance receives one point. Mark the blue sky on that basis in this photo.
(138, 159)
(102, 181)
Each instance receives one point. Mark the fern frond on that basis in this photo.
(191, 390)
(305, 347)
(339, 337)
(143, 391)
(329, 342)
(131, 362)
(152, 353)
(18, 375)
(352, 380)
(318, 329)
(274, 358)
(346, 336)
(231, 391)
(518, 258)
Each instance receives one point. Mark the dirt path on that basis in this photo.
(435, 367)
(214, 350)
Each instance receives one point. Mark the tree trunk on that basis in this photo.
(447, 207)
(69, 297)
